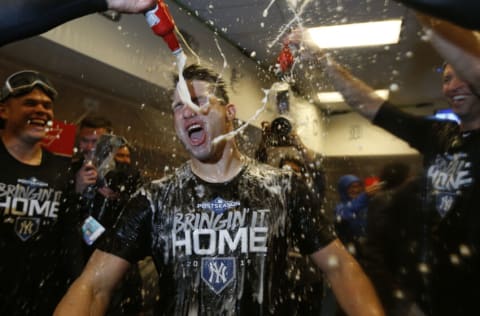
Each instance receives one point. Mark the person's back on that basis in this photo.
(397, 250)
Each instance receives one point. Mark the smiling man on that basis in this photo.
(449, 244)
(218, 229)
(31, 190)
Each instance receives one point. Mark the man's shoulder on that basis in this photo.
(264, 172)
(179, 174)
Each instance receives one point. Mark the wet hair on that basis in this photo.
(197, 72)
(96, 122)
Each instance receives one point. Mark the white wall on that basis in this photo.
(352, 135)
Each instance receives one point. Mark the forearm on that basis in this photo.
(357, 94)
(90, 293)
(352, 288)
(354, 291)
(82, 300)
(458, 46)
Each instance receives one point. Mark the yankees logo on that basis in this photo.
(218, 273)
(26, 227)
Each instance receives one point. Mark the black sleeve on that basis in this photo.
(20, 19)
(415, 130)
(461, 12)
(311, 228)
(130, 238)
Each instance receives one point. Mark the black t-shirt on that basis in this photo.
(450, 204)
(32, 279)
(222, 245)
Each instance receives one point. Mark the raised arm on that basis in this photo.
(20, 19)
(90, 293)
(351, 286)
(461, 12)
(357, 94)
(458, 46)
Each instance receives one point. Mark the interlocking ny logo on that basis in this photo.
(218, 272)
(26, 227)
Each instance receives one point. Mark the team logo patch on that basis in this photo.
(33, 182)
(26, 227)
(218, 205)
(218, 273)
(444, 203)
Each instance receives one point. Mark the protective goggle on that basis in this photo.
(23, 82)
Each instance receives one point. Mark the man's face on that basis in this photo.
(88, 138)
(355, 189)
(198, 130)
(123, 156)
(27, 116)
(461, 99)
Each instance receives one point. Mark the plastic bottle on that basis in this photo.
(285, 59)
(161, 22)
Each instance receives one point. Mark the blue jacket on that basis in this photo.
(351, 214)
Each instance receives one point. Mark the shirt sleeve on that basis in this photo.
(130, 238)
(20, 19)
(461, 12)
(415, 130)
(311, 228)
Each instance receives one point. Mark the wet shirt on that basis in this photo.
(30, 197)
(451, 199)
(223, 246)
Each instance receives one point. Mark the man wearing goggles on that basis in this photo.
(32, 182)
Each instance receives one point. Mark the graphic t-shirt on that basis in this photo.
(450, 206)
(30, 197)
(221, 248)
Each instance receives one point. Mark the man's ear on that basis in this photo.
(231, 111)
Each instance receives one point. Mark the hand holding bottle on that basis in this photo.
(161, 22)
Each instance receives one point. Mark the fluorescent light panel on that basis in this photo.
(358, 34)
(335, 97)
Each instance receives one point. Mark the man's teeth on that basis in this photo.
(37, 122)
(193, 127)
(458, 98)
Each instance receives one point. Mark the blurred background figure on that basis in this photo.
(397, 243)
(84, 173)
(282, 147)
(397, 247)
(351, 211)
(105, 178)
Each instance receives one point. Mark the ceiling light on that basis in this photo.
(335, 97)
(358, 34)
